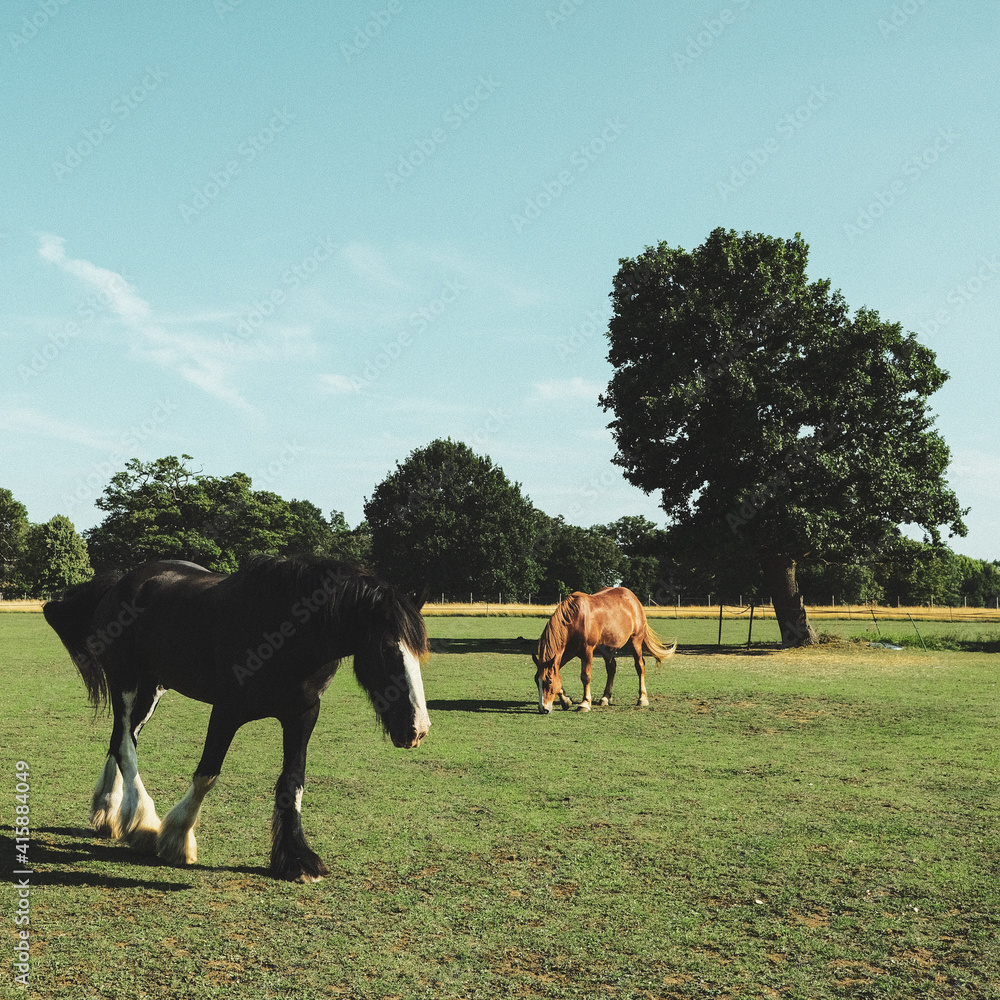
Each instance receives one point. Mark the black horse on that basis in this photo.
(262, 643)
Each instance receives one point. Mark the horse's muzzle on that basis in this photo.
(410, 742)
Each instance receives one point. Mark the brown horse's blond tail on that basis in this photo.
(651, 644)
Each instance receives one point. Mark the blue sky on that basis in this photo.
(299, 241)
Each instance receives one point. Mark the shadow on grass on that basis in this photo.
(525, 647)
(763, 649)
(478, 645)
(479, 705)
(93, 880)
(60, 857)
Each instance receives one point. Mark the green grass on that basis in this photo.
(801, 824)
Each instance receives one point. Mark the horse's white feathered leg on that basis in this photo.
(176, 843)
(139, 822)
(105, 806)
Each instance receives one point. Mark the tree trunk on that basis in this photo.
(779, 575)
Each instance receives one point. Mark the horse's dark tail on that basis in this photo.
(72, 618)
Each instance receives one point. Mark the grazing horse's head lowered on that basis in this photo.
(549, 683)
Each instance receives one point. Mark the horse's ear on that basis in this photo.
(419, 597)
(534, 656)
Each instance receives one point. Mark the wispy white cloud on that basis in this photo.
(566, 391)
(119, 294)
(411, 269)
(24, 420)
(368, 261)
(204, 361)
(338, 384)
(479, 275)
(975, 471)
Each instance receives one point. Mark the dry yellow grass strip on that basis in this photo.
(21, 605)
(729, 612)
(761, 613)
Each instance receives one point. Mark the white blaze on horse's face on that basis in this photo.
(415, 683)
(549, 685)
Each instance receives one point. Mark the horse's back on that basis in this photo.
(155, 621)
(141, 596)
(618, 616)
(608, 618)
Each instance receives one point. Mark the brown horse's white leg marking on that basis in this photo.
(640, 669)
(586, 660)
(139, 822)
(106, 804)
(176, 843)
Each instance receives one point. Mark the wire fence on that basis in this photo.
(709, 606)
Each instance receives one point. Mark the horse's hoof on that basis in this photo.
(642, 703)
(302, 869)
(604, 702)
(583, 707)
(142, 840)
(105, 826)
(177, 847)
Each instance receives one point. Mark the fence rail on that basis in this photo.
(763, 611)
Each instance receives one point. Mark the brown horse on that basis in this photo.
(587, 623)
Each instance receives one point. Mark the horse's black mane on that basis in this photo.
(342, 587)
(271, 574)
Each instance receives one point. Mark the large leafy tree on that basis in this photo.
(980, 581)
(575, 558)
(774, 423)
(350, 545)
(845, 583)
(643, 548)
(55, 557)
(165, 510)
(38, 560)
(451, 520)
(14, 527)
(917, 573)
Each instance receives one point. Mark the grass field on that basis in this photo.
(803, 824)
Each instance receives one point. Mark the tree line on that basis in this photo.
(786, 436)
(449, 520)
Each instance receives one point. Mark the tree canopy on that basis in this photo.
(575, 558)
(644, 563)
(38, 560)
(165, 510)
(55, 557)
(773, 423)
(450, 519)
(448, 511)
(13, 530)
